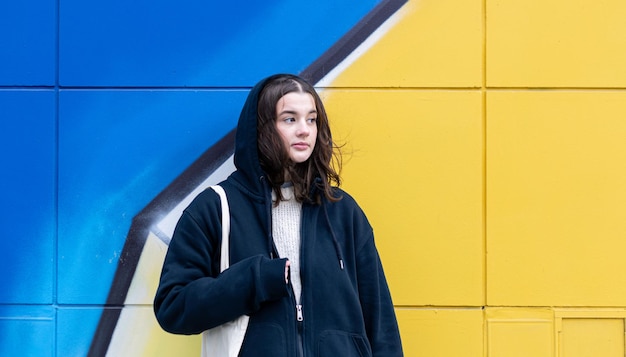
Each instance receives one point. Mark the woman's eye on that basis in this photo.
(289, 120)
(312, 120)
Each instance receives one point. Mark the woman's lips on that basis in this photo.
(300, 146)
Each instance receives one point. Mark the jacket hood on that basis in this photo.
(246, 153)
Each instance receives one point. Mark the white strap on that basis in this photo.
(224, 259)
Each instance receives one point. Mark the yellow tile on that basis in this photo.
(590, 331)
(414, 163)
(435, 43)
(441, 332)
(592, 337)
(520, 332)
(556, 43)
(556, 168)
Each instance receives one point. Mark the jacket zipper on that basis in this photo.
(300, 327)
(299, 309)
(299, 313)
(299, 323)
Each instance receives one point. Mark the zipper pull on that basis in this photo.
(299, 315)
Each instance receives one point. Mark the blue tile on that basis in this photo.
(27, 188)
(76, 327)
(196, 42)
(27, 331)
(27, 42)
(117, 151)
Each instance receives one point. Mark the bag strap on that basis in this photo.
(224, 259)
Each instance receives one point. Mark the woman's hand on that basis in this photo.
(287, 272)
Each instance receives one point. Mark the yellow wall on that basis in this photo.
(487, 144)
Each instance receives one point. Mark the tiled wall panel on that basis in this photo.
(28, 42)
(27, 331)
(27, 218)
(556, 167)
(143, 140)
(418, 154)
(195, 43)
(441, 332)
(556, 43)
(428, 44)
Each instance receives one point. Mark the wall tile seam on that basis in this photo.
(439, 307)
(26, 88)
(556, 88)
(404, 88)
(152, 89)
(100, 306)
(26, 318)
(225, 88)
(541, 307)
(234, 88)
(57, 306)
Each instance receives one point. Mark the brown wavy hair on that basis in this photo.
(315, 176)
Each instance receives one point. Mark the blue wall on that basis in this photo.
(102, 105)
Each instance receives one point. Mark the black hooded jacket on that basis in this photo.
(346, 305)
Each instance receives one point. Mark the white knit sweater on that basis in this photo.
(286, 219)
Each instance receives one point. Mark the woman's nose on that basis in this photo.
(303, 129)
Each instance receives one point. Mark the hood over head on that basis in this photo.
(247, 161)
(246, 152)
(311, 178)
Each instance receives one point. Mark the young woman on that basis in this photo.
(303, 263)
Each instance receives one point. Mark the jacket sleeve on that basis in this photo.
(378, 310)
(193, 296)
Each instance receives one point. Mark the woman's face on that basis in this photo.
(296, 122)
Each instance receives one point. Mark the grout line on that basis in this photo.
(433, 307)
(483, 86)
(484, 149)
(55, 286)
(55, 255)
(485, 339)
